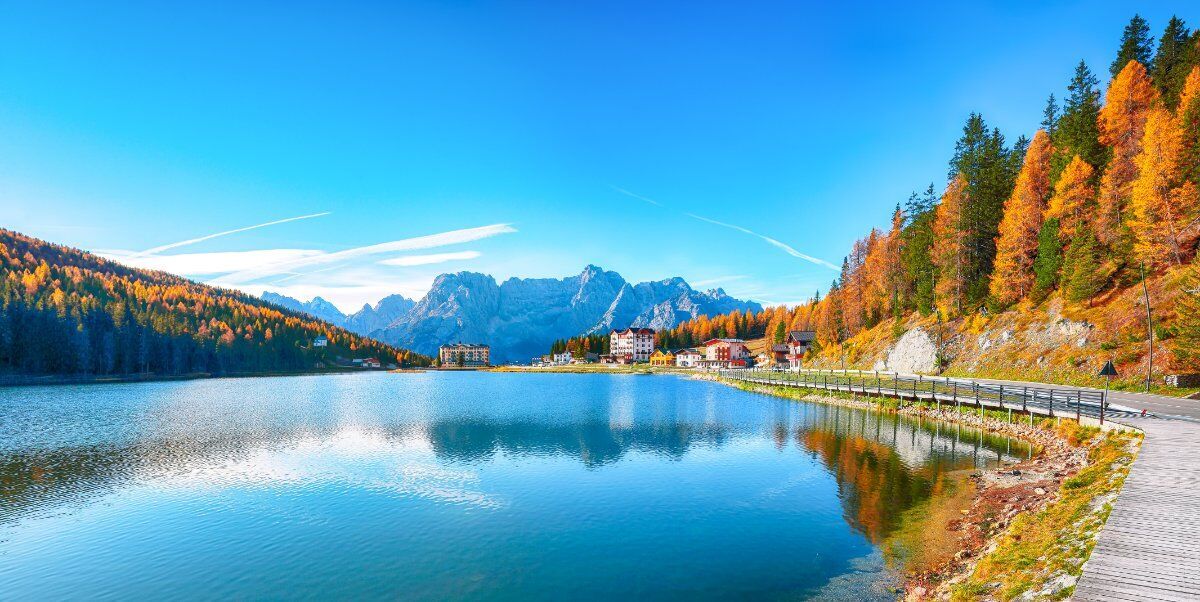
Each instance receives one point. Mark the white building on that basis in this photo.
(688, 358)
(635, 344)
(320, 342)
(798, 343)
(562, 359)
(726, 353)
(464, 354)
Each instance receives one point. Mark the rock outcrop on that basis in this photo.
(915, 352)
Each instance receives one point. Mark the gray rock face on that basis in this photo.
(387, 310)
(521, 317)
(317, 307)
(914, 352)
(364, 321)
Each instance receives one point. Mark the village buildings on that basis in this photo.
(725, 353)
(465, 355)
(662, 357)
(631, 345)
(688, 358)
(798, 343)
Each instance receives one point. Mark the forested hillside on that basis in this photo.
(1061, 224)
(66, 312)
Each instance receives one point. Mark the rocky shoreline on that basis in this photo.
(1000, 496)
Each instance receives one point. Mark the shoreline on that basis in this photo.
(1063, 493)
(14, 381)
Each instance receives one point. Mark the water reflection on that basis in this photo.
(494, 443)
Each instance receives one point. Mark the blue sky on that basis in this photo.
(540, 136)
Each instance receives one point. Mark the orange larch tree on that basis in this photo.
(950, 251)
(1122, 123)
(1163, 202)
(1016, 246)
(1073, 198)
(1189, 124)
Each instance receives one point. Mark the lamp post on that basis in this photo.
(1108, 371)
(1149, 329)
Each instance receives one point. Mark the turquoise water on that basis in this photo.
(456, 485)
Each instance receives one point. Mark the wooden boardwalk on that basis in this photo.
(1150, 547)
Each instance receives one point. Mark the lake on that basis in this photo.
(461, 485)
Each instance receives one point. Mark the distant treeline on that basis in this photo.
(67, 312)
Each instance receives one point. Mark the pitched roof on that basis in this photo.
(463, 346)
(711, 341)
(801, 336)
(632, 331)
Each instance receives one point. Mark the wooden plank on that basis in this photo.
(1150, 547)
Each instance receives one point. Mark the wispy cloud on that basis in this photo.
(408, 244)
(771, 241)
(192, 241)
(432, 258)
(199, 264)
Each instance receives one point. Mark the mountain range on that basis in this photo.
(521, 317)
(364, 321)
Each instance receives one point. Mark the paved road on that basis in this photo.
(1040, 396)
(1160, 405)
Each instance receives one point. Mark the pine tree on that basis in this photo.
(1135, 45)
(1016, 246)
(1122, 123)
(1078, 131)
(1173, 61)
(916, 244)
(988, 170)
(1163, 203)
(1050, 115)
(1081, 267)
(1049, 260)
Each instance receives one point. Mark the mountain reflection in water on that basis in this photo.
(708, 455)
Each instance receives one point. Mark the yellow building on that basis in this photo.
(662, 358)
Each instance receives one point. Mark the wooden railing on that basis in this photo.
(1040, 400)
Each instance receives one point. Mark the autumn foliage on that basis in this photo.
(1016, 248)
(1074, 198)
(950, 253)
(1102, 190)
(63, 311)
(1163, 205)
(1122, 123)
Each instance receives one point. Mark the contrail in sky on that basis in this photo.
(635, 195)
(771, 241)
(192, 241)
(786, 248)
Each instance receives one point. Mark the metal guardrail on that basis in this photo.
(1046, 401)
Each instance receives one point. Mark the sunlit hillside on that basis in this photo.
(67, 312)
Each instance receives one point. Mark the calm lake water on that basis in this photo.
(457, 485)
